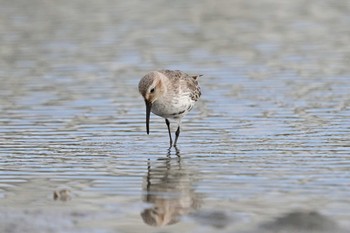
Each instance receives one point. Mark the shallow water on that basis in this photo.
(267, 144)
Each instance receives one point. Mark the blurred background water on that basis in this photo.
(266, 149)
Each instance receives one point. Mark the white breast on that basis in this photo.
(174, 107)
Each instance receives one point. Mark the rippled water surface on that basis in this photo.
(266, 149)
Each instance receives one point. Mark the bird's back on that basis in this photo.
(182, 92)
(182, 82)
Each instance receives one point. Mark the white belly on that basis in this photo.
(174, 109)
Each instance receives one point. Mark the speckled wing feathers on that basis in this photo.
(189, 82)
(197, 91)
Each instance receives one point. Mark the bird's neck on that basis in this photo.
(163, 85)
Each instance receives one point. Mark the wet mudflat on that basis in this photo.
(266, 149)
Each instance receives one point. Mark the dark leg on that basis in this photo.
(168, 124)
(177, 133)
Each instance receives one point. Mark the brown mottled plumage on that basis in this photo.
(170, 94)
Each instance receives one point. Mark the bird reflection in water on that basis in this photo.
(168, 186)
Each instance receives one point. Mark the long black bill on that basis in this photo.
(148, 112)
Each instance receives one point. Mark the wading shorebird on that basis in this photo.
(170, 94)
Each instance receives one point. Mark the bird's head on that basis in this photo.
(151, 87)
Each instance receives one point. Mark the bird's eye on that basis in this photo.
(152, 90)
